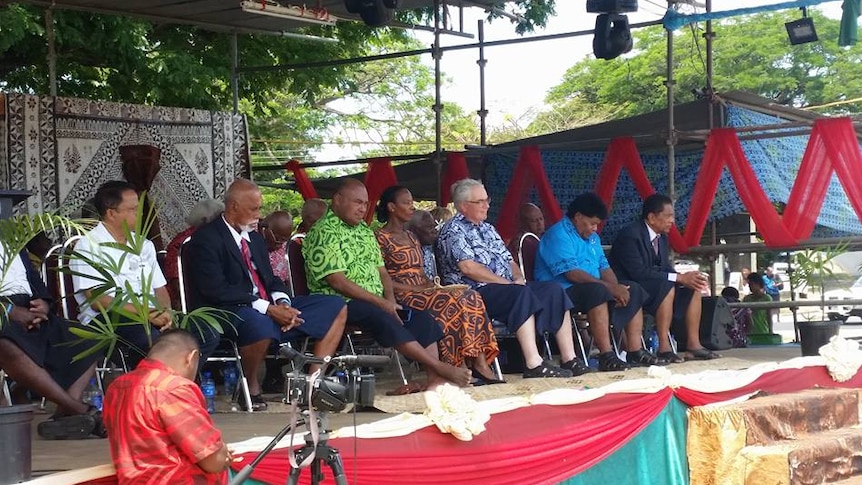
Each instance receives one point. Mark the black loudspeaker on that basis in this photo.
(612, 36)
(715, 318)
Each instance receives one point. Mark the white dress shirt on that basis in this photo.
(13, 281)
(136, 269)
(652, 237)
(259, 304)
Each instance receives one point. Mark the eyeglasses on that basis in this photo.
(277, 238)
(481, 201)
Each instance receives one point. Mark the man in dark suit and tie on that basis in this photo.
(229, 269)
(641, 253)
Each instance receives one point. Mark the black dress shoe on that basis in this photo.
(257, 403)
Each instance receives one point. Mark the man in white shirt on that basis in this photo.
(37, 351)
(135, 269)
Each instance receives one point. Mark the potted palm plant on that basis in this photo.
(811, 270)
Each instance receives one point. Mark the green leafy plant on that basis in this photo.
(128, 307)
(17, 231)
(812, 268)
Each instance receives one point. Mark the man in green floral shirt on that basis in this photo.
(342, 258)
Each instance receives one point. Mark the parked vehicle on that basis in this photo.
(845, 312)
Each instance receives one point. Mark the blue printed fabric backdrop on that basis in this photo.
(775, 161)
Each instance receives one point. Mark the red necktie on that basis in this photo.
(246, 256)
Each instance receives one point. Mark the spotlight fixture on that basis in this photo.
(801, 31)
(612, 34)
(375, 13)
(290, 12)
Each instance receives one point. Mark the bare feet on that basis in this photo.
(459, 376)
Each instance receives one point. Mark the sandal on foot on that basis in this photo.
(701, 354)
(409, 388)
(75, 427)
(643, 358)
(546, 369)
(670, 357)
(480, 380)
(609, 362)
(576, 367)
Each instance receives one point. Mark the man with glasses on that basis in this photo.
(276, 229)
(471, 252)
(131, 269)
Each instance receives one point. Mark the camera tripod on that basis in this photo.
(322, 452)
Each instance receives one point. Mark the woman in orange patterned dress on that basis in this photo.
(468, 337)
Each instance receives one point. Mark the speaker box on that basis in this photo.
(715, 317)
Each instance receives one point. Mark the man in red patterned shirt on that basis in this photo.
(158, 427)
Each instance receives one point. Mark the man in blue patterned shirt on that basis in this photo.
(469, 251)
(571, 254)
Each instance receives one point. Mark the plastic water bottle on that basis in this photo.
(209, 390)
(230, 378)
(93, 395)
(652, 341)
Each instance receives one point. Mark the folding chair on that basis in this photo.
(229, 349)
(299, 287)
(530, 252)
(69, 307)
(4, 388)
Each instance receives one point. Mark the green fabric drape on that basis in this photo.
(656, 455)
(849, 33)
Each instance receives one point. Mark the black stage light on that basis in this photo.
(801, 31)
(612, 36)
(375, 13)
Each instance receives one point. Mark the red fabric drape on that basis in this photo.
(529, 172)
(537, 445)
(379, 176)
(832, 148)
(623, 153)
(303, 183)
(776, 382)
(456, 169)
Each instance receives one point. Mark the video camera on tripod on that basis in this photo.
(332, 393)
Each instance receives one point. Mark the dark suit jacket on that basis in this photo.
(632, 256)
(216, 272)
(36, 284)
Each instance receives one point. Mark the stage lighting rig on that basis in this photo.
(374, 13)
(801, 31)
(612, 34)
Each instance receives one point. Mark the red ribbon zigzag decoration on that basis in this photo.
(456, 169)
(379, 176)
(832, 147)
(303, 183)
(529, 172)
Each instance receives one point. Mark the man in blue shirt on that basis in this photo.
(571, 254)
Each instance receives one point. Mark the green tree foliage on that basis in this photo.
(752, 54)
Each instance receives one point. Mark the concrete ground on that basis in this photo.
(54, 456)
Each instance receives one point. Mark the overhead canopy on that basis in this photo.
(219, 15)
(650, 129)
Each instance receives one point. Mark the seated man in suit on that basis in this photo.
(230, 270)
(641, 253)
(342, 257)
(37, 351)
(117, 205)
(571, 254)
(530, 219)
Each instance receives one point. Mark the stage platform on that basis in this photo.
(570, 435)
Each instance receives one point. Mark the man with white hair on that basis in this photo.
(470, 251)
(203, 212)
